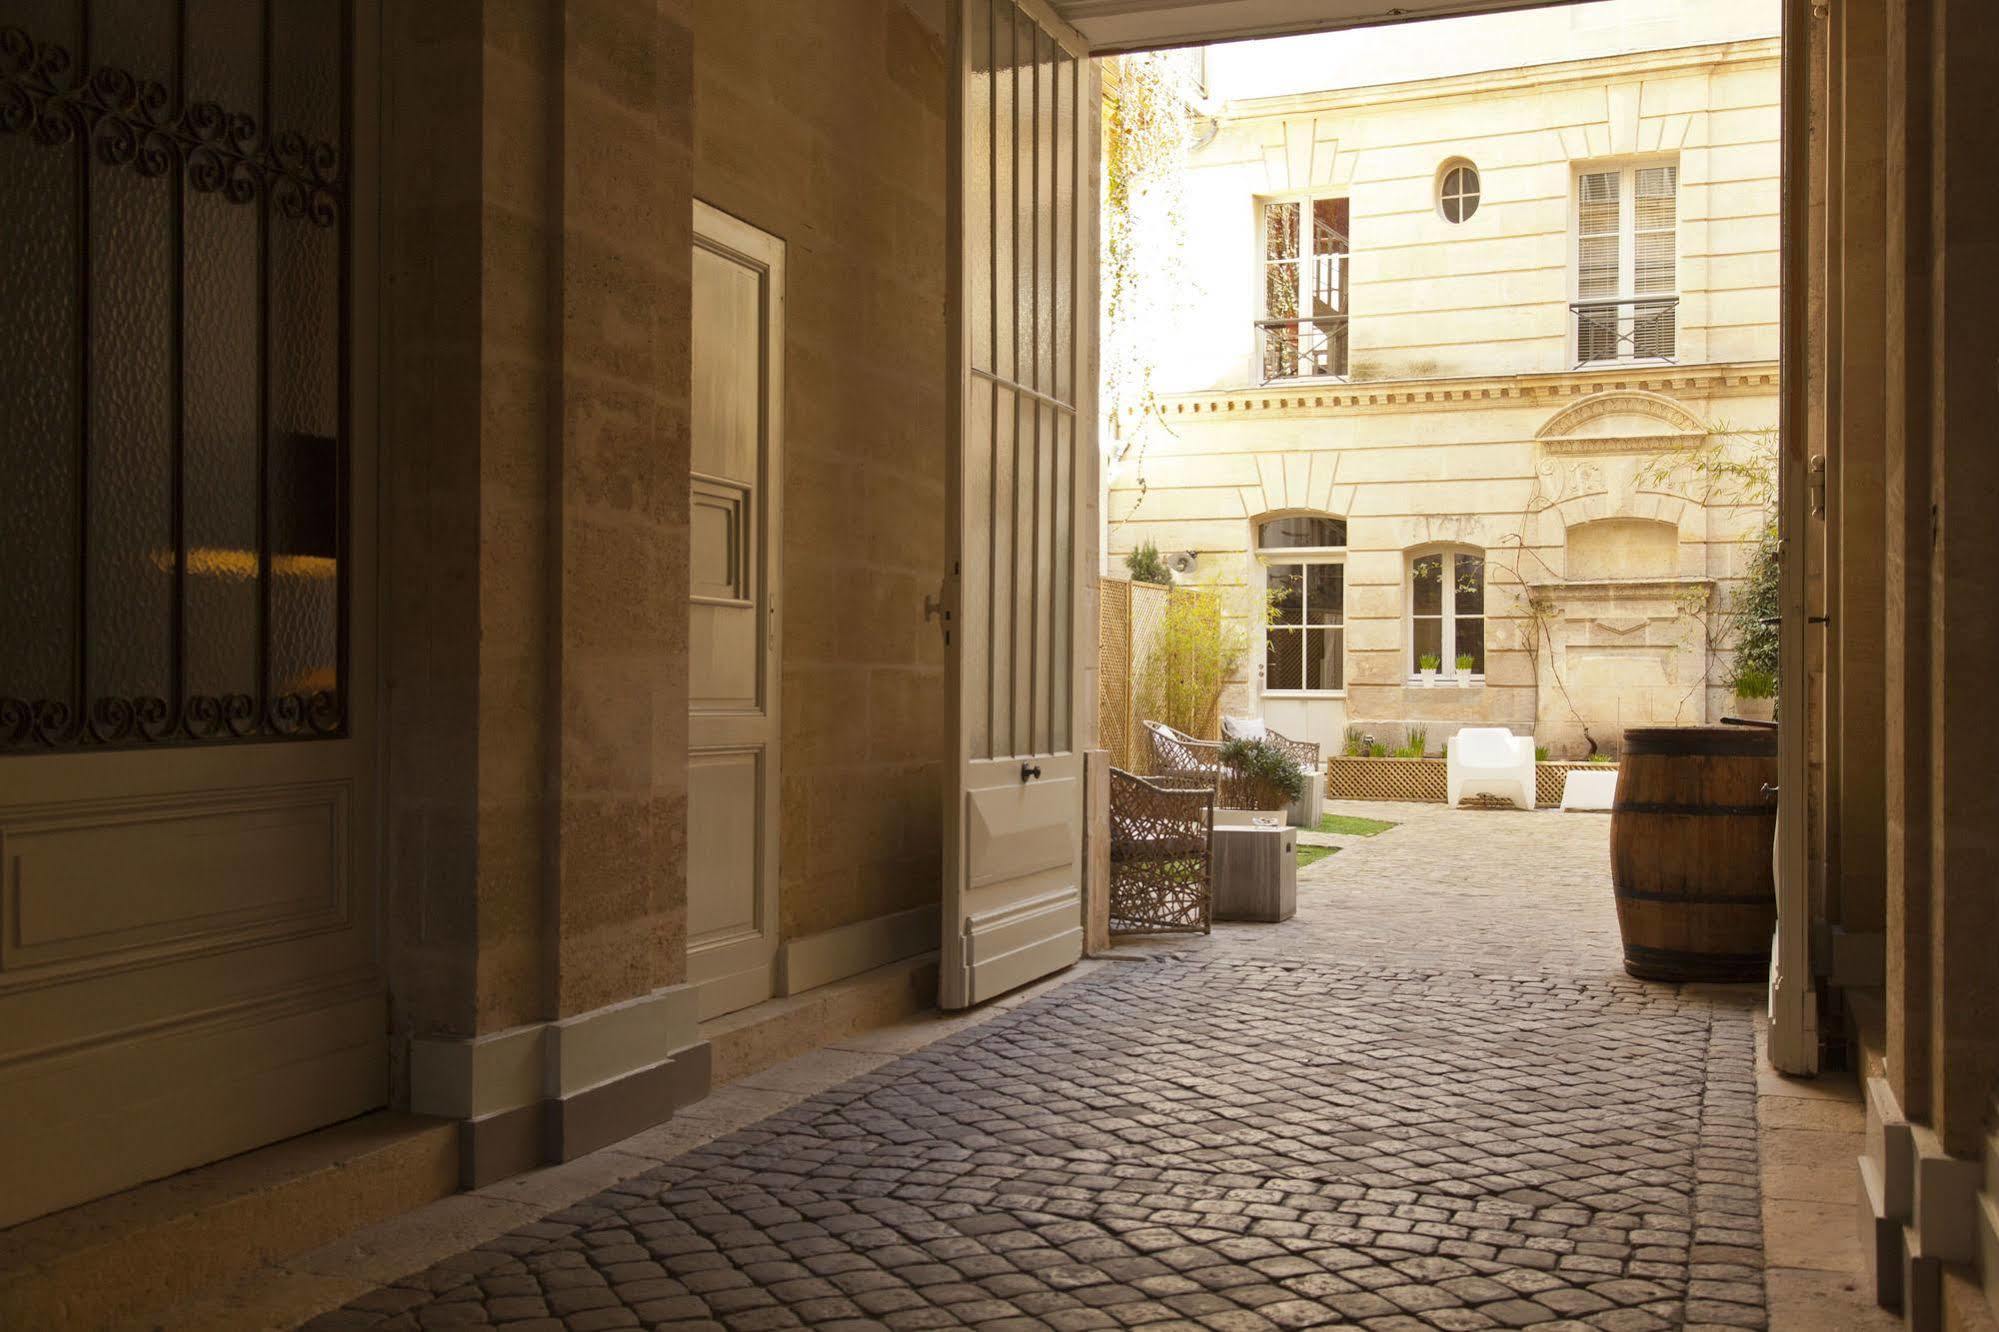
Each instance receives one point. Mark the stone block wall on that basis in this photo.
(824, 125)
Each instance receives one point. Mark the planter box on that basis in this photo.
(1424, 779)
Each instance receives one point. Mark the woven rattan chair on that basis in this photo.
(1177, 754)
(1161, 856)
(1306, 752)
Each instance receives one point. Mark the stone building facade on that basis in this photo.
(1495, 329)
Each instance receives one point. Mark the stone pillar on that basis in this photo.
(1856, 479)
(1907, 564)
(1964, 588)
(538, 214)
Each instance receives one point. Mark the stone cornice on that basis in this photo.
(1476, 392)
(1594, 69)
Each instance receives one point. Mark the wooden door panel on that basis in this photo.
(1022, 460)
(733, 721)
(188, 745)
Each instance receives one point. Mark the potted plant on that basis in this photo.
(1464, 670)
(1258, 775)
(1427, 666)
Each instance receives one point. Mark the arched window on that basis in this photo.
(1304, 573)
(1311, 531)
(1447, 611)
(1458, 190)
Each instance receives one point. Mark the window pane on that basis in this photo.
(1426, 576)
(1302, 530)
(1471, 584)
(1280, 352)
(1652, 329)
(1428, 640)
(1286, 584)
(1329, 284)
(1470, 640)
(1329, 226)
(1283, 659)
(1322, 347)
(1280, 291)
(1280, 231)
(1322, 659)
(1324, 593)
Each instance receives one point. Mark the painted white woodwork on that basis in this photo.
(188, 964)
(1018, 590)
(1128, 25)
(733, 623)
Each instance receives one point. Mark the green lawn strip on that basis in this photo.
(1352, 826)
(1312, 855)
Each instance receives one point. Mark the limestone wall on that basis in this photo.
(1522, 468)
(824, 124)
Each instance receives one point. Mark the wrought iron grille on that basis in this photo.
(174, 260)
(1641, 328)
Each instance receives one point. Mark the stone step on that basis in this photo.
(119, 1260)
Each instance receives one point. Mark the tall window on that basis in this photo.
(1303, 330)
(1305, 572)
(1447, 611)
(1627, 267)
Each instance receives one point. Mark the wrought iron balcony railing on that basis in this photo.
(1300, 348)
(1626, 328)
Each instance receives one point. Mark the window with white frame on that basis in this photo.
(1304, 570)
(1458, 190)
(1627, 263)
(1302, 330)
(1447, 612)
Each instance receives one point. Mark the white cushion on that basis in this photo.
(1246, 728)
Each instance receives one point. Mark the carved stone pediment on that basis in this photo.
(1621, 421)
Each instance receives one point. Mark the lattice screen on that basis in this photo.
(1114, 670)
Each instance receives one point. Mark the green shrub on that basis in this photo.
(1418, 741)
(1145, 565)
(1464, 663)
(1429, 662)
(1540, 753)
(1263, 772)
(1356, 743)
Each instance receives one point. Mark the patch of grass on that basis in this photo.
(1352, 826)
(1312, 855)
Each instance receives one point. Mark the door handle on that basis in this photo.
(1029, 771)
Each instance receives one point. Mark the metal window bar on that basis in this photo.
(1298, 348)
(1626, 328)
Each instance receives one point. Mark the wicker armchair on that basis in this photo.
(1160, 853)
(1306, 752)
(1177, 754)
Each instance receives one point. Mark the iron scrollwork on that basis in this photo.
(116, 721)
(130, 121)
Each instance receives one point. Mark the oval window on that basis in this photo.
(1457, 192)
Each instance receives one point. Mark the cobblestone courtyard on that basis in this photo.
(1432, 1101)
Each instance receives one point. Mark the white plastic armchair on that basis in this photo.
(1490, 761)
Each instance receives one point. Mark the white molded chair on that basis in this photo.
(1490, 761)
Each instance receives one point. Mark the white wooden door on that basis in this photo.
(188, 733)
(732, 754)
(1022, 493)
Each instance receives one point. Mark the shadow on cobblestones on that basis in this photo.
(1354, 1118)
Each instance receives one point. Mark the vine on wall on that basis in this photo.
(1150, 130)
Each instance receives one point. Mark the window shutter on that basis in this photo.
(1599, 212)
(1655, 214)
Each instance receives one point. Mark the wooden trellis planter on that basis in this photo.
(1424, 779)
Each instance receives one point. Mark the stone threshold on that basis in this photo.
(121, 1259)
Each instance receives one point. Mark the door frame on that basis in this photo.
(734, 972)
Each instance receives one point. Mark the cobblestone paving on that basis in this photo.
(1432, 1103)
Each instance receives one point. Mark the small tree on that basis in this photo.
(1146, 566)
(1191, 662)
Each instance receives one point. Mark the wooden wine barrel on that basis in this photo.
(1690, 840)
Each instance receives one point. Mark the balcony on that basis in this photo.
(1626, 328)
(1303, 348)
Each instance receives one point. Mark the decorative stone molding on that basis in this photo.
(1568, 432)
(1474, 391)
